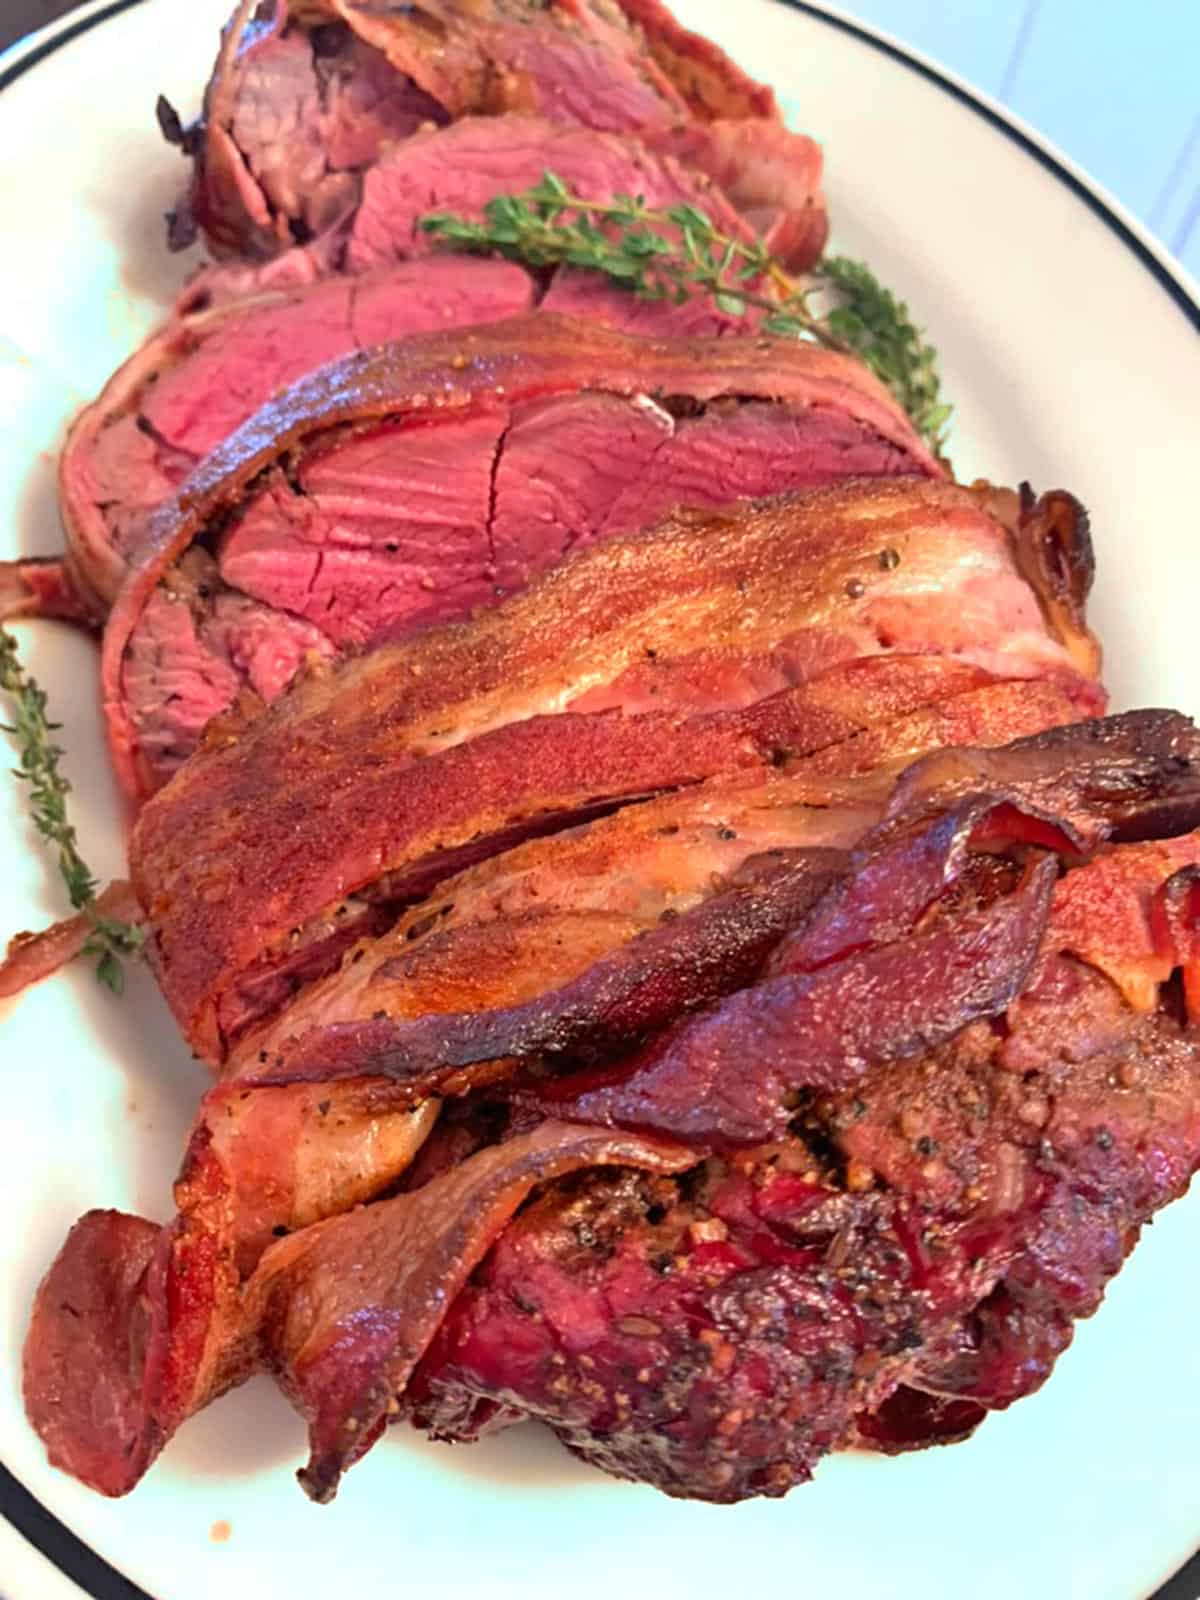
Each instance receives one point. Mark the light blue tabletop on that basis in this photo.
(1114, 83)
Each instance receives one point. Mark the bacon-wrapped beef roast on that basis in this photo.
(737, 643)
(835, 1223)
(682, 954)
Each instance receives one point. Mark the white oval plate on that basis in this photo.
(1069, 344)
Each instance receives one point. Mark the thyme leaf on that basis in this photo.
(678, 251)
(878, 327)
(38, 766)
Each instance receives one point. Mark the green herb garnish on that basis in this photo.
(674, 253)
(31, 730)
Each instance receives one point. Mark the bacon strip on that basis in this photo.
(644, 985)
(723, 1079)
(44, 586)
(1133, 776)
(33, 956)
(135, 1328)
(433, 817)
(754, 601)
(397, 1009)
(858, 985)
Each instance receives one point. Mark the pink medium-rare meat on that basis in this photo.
(771, 176)
(300, 107)
(401, 527)
(199, 646)
(409, 483)
(732, 610)
(198, 379)
(461, 168)
(135, 1328)
(684, 69)
(292, 120)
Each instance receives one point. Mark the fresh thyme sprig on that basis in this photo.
(672, 253)
(31, 730)
(878, 328)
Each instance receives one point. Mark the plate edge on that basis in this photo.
(76, 1560)
(1170, 274)
(26, 52)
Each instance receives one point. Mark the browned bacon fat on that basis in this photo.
(568, 949)
(610, 680)
(977, 1197)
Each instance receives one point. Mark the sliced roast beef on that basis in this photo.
(413, 482)
(195, 382)
(460, 168)
(771, 176)
(202, 644)
(306, 100)
(208, 370)
(612, 678)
